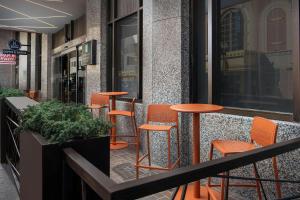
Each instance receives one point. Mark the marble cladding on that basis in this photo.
(23, 69)
(93, 20)
(96, 16)
(231, 127)
(46, 66)
(165, 64)
(33, 82)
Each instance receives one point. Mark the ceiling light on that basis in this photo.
(28, 16)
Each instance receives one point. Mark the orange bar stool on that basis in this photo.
(33, 94)
(263, 133)
(99, 102)
(131, 114)
(158, 113)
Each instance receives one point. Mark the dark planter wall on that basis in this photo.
(2, 125)
(42, 167)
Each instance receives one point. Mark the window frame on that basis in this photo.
(213, 27)
(112, 50)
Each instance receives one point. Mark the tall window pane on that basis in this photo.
(127, 52)
(256, 51)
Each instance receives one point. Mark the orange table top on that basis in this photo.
(196, 108)
(113, 93)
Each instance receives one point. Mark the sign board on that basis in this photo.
(16, 52)
(7, 59)
(14, 45)
(14, 48)
(89, 50)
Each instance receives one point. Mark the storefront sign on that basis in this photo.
(14, 45)
(16, 52)
(89, 50)
(7, 59)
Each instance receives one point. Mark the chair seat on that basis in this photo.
(232, 146)
(121, 112)
(152, 127)
(96, 106)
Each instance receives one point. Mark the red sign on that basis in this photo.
(7, 59)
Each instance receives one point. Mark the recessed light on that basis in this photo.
(60, 1)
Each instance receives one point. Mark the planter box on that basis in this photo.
(45, 176)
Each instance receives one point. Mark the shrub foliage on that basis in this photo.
(59, 122)
(10, 92)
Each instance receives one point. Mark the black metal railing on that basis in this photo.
(107, 189)
(12, 152)
(10, 112)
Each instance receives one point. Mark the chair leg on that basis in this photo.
(211, 152)
(169, 150)
(223, 186)
(276, 173)
(178, 147)
(137, 153)
(148, 148)
(257, 184)
(133, 126)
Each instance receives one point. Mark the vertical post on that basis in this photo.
(196, 149)
(296, 62)
(213, 48)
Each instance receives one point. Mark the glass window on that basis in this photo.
(276, 39)
(127, 56)
(125, 44)
(257, 74)
(254, 49)
(232, 30)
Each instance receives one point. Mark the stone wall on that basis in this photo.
(7, 72)
(231, 127)
(23, 64)
(46, 66)
(96, 21)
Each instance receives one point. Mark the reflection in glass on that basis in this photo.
(256, 55)
(127, 53)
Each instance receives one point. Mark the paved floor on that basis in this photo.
(7, 189)
(122, 169)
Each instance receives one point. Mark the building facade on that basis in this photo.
(242, 54)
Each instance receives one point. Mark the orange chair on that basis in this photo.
(33, 94)
(99, 102)
(130, 114)
(263, 133)
(158, 113)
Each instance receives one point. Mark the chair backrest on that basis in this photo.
(98, 99)
(161, 113)
(263, 131)
(33, 94)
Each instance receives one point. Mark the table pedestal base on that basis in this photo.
(190, 193)
(118, 145)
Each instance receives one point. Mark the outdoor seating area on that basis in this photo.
(149, 99)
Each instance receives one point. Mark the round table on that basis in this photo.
(114, 143)
(193, 191)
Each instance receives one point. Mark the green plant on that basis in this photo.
(59, 122)
(10, 92)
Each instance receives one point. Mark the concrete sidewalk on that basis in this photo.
(7, 188)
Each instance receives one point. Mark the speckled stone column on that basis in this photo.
(166, 63)
(46, 66)
(23, 63)
(33, 83)
(96, 19)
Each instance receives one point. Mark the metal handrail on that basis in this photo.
(109, 190)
